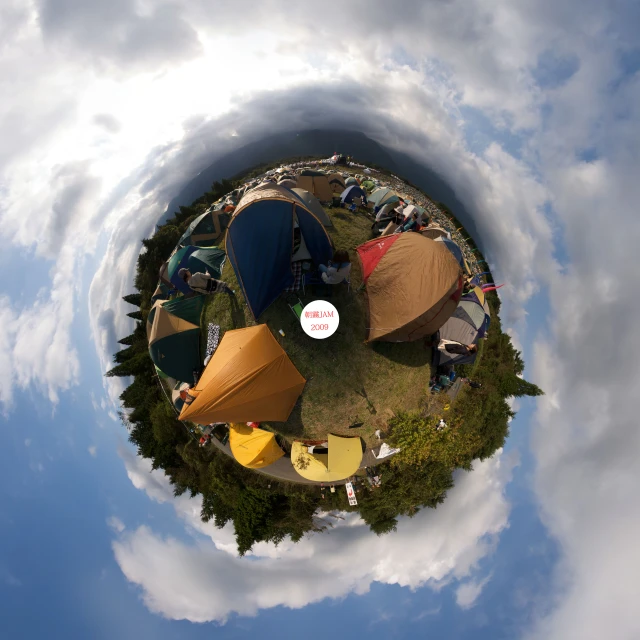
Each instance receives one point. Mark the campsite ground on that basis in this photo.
(348, 381)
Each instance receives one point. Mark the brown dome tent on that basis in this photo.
(318, 185)
(337, 183)
(413, 286)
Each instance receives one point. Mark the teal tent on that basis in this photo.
(206, 229)
(189, 309)
(161, 292)
(174, 343)
(383, 196)
(196, 259)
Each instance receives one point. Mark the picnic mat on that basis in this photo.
(213, 339)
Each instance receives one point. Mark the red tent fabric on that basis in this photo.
(370, 253)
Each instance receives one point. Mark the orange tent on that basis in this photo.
(413, 286)
(249, 378)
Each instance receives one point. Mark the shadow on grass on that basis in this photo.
(238, 319)
(409, 354)
(293, 426)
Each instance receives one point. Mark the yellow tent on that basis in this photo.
(253, 448)
(249, 379)
(342, 461)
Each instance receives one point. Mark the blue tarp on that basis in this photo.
(260, 243)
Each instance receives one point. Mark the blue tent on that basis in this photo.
(259, 243)
(351, 192)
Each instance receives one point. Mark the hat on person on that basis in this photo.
(182, 273)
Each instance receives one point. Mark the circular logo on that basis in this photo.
(319, 319)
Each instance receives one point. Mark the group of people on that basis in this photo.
(394, 215)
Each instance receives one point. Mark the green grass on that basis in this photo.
(348, 381)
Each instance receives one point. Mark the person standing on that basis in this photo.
(204, 283)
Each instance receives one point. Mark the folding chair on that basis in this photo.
(296, 308)
(317, 284)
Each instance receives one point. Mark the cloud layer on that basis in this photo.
(200, 582)
(528, 110)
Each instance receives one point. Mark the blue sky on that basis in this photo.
(528, 111)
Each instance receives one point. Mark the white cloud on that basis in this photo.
(35, 347)
(114, 523)
(92, 451)
(468, 592)
(347, 559)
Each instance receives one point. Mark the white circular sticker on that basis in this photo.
(319, 319)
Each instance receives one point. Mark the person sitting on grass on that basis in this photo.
(337, 270)
(204, 283)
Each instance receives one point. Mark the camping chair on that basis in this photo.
(317, 284)
(347, 281)
(296, 308)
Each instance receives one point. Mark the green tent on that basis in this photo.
(350, 181)
(161, 292)
(188, 309)
(206, 229)
(161, 374)
(369, 185)
(174, 343)
(196, 259)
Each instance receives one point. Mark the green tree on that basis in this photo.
(166, 429)
(139, 364)
(133, 298)
(513, 385)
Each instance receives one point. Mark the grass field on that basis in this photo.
(348, 381)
